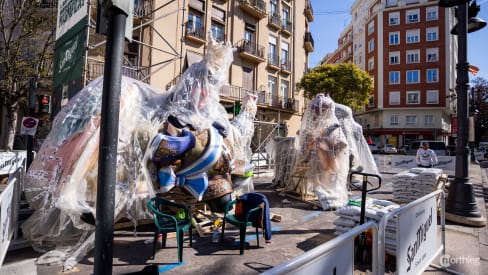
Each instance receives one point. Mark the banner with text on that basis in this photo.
(70, 12)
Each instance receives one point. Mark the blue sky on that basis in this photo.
(330, 18)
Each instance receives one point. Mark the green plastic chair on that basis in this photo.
(166, 223)
(241, 222)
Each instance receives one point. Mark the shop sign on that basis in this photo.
(70, 12)
(11, 161)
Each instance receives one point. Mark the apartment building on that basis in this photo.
(271, 38)
(406, 47)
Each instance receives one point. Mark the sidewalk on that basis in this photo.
(302, 228)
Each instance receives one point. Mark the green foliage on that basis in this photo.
(26, 40)
(345, 83)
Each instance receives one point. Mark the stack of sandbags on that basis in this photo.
(350, 214)
(414, 183)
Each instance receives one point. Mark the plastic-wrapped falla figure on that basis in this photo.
(324, 150)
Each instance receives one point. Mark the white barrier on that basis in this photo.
(398, 163)
(8, 221)
(333, 257)
(416, 234)
(11, 161)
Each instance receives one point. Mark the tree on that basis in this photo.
(27, 31)
(345, 83)
(479, 107)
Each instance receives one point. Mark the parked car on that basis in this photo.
(439, 147)
(402, 150)
(373, 148)
(388, 149)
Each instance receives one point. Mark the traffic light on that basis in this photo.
(44, 104)
(474, 23)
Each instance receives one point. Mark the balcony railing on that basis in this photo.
(285, 65)
(309, 42)
(234, 93)
(274, 61)
(196, 34)
(250, 50)
(96, 69)
(286, 26)
(274, 20)
(256, 8)
(309, 11)
(47, 4)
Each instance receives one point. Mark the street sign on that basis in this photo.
(29, 126)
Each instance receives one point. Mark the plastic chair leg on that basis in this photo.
(155, 242)
(222, 234)
(257, 235)
(163, 241)
(242, 239)
(179, 236)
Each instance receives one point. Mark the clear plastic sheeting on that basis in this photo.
(284, 156)
(61, 183)
(360, 154)
(323, 152)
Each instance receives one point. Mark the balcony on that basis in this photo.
(195, 34)
(96, 68)
(286, 27)
(274, 21)
(285, 66)
(256, 8)
(274, 61)
(308, 42)
(309, 11)
(250, 51)
(284, 103)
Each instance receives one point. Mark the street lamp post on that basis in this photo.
(461, 204)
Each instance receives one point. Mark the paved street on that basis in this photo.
(302, 228)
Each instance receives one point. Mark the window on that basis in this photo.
(413, 97)
(431, 13)
(395, 77)
(284, 92)
(432, 34)
(413, 76)
(273, 89)
(394, 58)
(432, 75)
(432, 54)
(412, 16)
(371, 101)
(371, 27)
(411, 1)
(371, 63)
(217, 31)
(394, 120)
(411, 120)
(284, 52)
(413, 56)
(194, 22)
(394, 98)
(285, 15)
(394, 18)
(429, 120)
(272, 54)
(432, 97)
(371, 45)
(391, 3)
(394, 38)
(249, 32)
(273, 7)
(413, 36)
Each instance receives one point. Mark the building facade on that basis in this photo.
(406, 47)
(271, 38)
